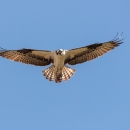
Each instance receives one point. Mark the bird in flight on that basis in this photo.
(59, 71)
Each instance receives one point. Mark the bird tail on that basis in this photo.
(66, 73)
(49, 73)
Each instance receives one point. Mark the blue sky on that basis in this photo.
(97, 97)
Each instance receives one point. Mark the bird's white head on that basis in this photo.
(60, 52)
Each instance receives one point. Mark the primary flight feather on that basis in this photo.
(59, 70)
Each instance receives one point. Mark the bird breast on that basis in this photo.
(59, 61)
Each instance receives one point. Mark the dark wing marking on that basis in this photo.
(28, 56)
(87, 53)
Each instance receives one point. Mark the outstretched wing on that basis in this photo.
(29, 56)
(90, 52)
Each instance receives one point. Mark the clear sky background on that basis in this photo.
(97, 97)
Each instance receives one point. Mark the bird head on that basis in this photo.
(60, 52)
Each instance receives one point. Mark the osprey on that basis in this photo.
(59, 70)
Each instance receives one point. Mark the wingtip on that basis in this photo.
(117, 39)
(2, 48)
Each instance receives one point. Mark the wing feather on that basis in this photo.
(90, 52)
(29, 56)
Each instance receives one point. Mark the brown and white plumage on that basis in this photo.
(90, 52)
(59, 58)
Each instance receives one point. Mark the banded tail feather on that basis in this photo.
(67, 72)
